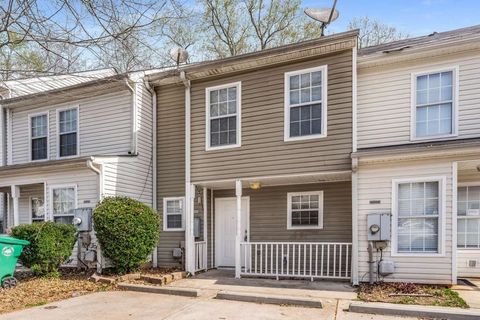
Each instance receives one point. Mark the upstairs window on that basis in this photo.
(68, 132)
(223, 116)
(306, 104)
(305, 210)
(173, 214)
(434, 105)
(39, 137)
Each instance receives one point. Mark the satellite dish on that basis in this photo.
(322, 14)
(179, 55)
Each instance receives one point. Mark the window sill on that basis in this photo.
(418, 254)
(305, 228)
(173, 230)
(224, 147)
(67, 157)
(434, 138)
(309, 137)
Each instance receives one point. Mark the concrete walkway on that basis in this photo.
(117, 305)
(469, 290)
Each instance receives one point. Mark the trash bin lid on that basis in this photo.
(11, 240)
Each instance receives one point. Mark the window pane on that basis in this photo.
(213, 96)
(294, 96)
(68, 144)
(174, 221)
(223, 97)
(39, 148)
(232, 93)
(422, 82)
(63, 200)
(68, 121)
(294, 82)
(305, 80)
(294, 129)
(316, 78)
(305, 95)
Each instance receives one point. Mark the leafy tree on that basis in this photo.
(374, 32)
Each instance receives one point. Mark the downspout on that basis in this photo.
(189, 250)
(154, 160)
(133, 145)
(99, 171)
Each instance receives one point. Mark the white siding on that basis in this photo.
(384, 99)
(375, 183)
(463, 269)
(105, 126)
(132, 176)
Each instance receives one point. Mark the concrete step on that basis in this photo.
(405, 310)
(270, 299)
(161, 290)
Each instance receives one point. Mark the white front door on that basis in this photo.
(225, 229)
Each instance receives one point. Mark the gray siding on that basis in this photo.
(105, 126)
(132, 176)
(268, 214)
(264, 151)
(170, 161)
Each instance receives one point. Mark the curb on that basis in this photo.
(270, 299)
(391, 309)
(160, 290)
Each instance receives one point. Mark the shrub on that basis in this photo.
(127, 230)
(51, 244)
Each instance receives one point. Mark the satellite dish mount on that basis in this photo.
(323, 15)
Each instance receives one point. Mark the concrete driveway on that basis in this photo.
(132, 305)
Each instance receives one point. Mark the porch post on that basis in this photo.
(238, 237)
(205, 229)
(189, 237)
(454, 221)
(15, 198)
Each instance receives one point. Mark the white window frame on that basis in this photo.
(61, 186)
(30, 208)
(324, 102)
(320, 210)
(77, 107)
(165, 214)
(413, 103)
(30, 116)
(462, 185)
(442, 183)
(238, 85)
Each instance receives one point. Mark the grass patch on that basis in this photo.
(409, 293)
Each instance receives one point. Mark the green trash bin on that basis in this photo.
(10, 250)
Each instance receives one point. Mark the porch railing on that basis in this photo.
(200, 256)
(297, 259)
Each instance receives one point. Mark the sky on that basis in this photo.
(413, 17)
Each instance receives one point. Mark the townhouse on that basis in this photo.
(67, 141)
(417, 155)
(253, 158)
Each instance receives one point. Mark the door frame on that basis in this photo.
(216, 224)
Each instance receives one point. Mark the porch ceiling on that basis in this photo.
(267, 181)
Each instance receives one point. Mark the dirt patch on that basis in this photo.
(409, 293)
(34, 291)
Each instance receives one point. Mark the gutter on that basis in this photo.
(133, 144)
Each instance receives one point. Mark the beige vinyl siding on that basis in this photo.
(384, 99)
(268, 214)
(131, 176)
(104, 123)
(263, 151)
(375, 183)
(170, 162)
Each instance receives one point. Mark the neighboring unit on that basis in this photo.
(418, 155)
(253, 156)
(68, 141)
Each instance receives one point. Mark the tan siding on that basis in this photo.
(268, 213)
(105, 126)
(170, 161)
(263, 151)
(375, 183)
(384, 99)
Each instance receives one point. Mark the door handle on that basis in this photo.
(245, 238)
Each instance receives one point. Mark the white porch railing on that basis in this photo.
(200, 256)
(297, 259)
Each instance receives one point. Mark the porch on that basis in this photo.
(297, 227)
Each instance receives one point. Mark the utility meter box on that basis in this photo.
(378, 225)
(82, 219)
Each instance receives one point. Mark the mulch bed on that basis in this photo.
(409, 293)
(35, 291)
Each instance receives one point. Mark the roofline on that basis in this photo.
(116, 77)
(197, 68)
